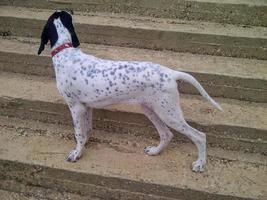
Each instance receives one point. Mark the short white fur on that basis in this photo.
(88, 82)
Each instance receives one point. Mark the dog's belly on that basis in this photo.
(107, 102)
(106, 98)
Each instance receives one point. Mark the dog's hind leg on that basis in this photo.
(164, 133)
(199, 140)
(82, 117)
(171, 114)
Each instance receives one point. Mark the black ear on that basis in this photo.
(49, 33)
(66, 20)
(44, 39)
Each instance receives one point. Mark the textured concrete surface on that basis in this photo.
(36, 133)
(36, 154)
(36, 193)
(145, 32)
(222, 11)
(241, 124)
(236, 78)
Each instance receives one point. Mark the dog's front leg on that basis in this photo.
(82, 121)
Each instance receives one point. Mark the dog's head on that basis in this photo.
(50, 33)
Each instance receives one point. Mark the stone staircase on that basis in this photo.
(223, 43)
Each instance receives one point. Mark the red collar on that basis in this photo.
(60, 48)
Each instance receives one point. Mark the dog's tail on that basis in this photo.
(190, 79)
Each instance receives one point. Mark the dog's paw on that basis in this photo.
(73, 156)
(151, 150)
(198, 166)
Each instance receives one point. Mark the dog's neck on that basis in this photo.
(66, 55)
(63, 34)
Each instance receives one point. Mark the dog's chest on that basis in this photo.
(71, 69)
(62, 66)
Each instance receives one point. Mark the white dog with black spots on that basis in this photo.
(88, 82)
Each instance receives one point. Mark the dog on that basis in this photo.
(88, 82)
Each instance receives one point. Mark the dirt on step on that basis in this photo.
(38, 193)
(121, 155)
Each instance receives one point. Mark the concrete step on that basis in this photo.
(7, 195)
(114, 166)
(236, 78)
(17, 191)
(145, 32)
(222, 11)
(242, 126)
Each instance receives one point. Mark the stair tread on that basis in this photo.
(247, 2)
(146, 32)
(110, 155)
(37, 193)
(205, 64)
(236, 113)
(225, 11)
(129, 21)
